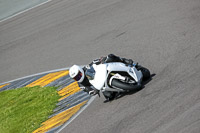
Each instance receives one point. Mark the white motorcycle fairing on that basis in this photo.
(102, 71)
(100, 76)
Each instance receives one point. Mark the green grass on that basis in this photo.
(22, 110)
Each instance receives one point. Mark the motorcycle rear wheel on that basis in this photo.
(125, 86)
(145, 72)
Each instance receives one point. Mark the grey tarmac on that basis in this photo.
(163, 36)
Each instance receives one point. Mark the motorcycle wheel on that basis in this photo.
(145, 72)
(125, 86)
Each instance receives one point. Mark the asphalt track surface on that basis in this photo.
(163, 35)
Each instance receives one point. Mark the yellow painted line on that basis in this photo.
(1, 86)
(71, 86)
(45, 80)
(59, 119)
(69, 90)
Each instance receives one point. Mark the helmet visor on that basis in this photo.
(78, 76)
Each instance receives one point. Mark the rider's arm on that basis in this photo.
(87, 87)
(90, 90)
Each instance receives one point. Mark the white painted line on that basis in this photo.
(24, 11)
(77, 114)
(37, 74)
(51, 71)
(74, 116)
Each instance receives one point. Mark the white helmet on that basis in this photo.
(77, 73)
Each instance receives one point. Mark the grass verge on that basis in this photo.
(22, 110)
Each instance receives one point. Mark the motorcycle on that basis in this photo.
(117, 77)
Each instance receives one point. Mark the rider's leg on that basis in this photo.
(114, 58)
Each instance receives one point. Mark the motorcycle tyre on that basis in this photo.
(145, 72)
(125, 86)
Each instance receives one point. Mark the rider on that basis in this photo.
(78, 74)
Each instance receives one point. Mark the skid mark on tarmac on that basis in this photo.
(70, 105)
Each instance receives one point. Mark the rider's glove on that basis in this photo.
(93, 92)
(82, 88)
(96, 61)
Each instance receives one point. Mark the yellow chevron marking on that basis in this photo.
(48, 78)
(1, 86)
(69, 90)
(59, 119)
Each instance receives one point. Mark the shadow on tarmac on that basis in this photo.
(133, 92)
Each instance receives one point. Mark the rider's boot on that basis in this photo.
(107, 100)
(109, 96)
(127, 61)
